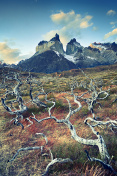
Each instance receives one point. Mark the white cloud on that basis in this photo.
(112, 33)
(113, 24)
(9, 55)
(111, 12)
(85, 24)
(69, 24)
(71, 20)
(64, 18)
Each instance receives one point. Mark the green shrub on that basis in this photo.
(113, 90)
(71, 150)
(36, 110)
(84, 111)
(59, 105)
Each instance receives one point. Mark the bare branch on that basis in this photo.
(109, 123)
(35, 99)
(54, 161)
(24, 149)
(43, 136)
(19, 100)
(105, 165)
(99, 142)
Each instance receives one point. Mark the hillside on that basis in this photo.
(47, 62)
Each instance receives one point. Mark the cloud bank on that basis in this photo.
(9, 55)
(69, 25)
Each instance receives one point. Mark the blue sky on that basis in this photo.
(24, 23)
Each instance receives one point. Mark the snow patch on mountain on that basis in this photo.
(57, 53)
(92, 58)
(70, 58)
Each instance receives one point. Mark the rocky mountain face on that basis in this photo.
(53, 44)
(50, 56)
(46, 62)
(72, 47)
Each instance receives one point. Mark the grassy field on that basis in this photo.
(32, 163)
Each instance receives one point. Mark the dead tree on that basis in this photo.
(18, 112)
(111, 124)
(12, 84)
(95, 95)
(51, 163)
(35, 99)
(94, 92)
(99, 142)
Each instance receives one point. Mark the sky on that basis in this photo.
(24, 23)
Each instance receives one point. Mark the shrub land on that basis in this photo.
(48, 121)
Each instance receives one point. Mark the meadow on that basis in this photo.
(57, 86)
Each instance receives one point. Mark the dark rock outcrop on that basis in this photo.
(47, 62)
(73, 46)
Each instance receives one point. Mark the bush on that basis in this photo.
(59, 105)
(36, 110)
(113, 90)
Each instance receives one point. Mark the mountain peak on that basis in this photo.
(106, 46)
(56, 38)
(54, 44)
(72, 47)
(72, 41)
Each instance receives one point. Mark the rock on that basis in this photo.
(46, 62)
(53, 44)
(73, 46)
(56, 38)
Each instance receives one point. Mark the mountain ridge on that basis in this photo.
(50, 56)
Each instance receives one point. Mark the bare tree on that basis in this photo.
(95, 94)
(51, 163)
(13, 89)
(94, 91)
(99, 142)
(18, 100)
(35, 99)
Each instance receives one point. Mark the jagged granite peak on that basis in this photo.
(53, 44)
(93, 49)
(113, 46)
(99, 46)
(72, 41)
(57, 45)
(56, 38)
(104, 46)
(73, 46)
